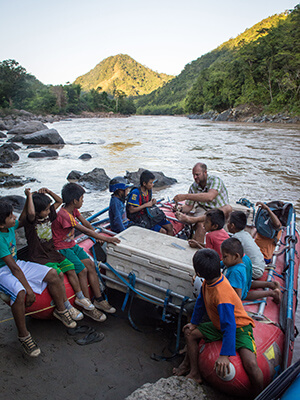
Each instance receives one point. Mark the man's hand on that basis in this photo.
(30, 298)
(222, 366)
(179, 197)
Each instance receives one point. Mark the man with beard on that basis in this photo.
(206, 192)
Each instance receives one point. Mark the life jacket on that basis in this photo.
(138, 218)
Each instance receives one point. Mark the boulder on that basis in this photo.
(46, 136)
(8, 155)
(25, 128)
(9, 180)
(2, 135)
(74, 175)
(85, 156)
(3, 126)
(17, 202)
(176, 388)
(43, 154)
(16, 138)
(5, 165)
(224, 116)
(162, 180)
(95, 180)
(11, 146)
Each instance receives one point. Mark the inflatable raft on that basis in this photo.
(132, 267)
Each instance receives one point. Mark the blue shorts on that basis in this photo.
(160, 225)
(75, 254)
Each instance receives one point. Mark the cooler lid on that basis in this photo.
(159, 249)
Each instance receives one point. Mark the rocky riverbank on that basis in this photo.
(11, 118)
(247, 113)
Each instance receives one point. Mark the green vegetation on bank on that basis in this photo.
(23, 91)
(122, 72)
(260, 66)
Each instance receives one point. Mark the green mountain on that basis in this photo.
(170, 99)
(122, 73)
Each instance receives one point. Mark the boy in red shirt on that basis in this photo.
(215, 234)
(63, 230)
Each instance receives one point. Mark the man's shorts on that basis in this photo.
(160, 225)
(244, 336)
(34, 273)
(63, 266)
(75, 254)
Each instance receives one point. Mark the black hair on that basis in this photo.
(146, 176)
(40, 201)
(71, 192)
(5, 210)
(206, 263)
(217, 217)
(232, 246)
(238, 219)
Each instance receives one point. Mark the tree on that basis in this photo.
(12, 83)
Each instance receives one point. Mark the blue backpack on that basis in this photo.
(263, 224)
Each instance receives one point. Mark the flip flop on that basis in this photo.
(91, 337)
(80, 329)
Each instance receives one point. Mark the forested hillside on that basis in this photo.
(20, 90)
(258, 66)
(122, 73)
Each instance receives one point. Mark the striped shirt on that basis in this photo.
(213, 182)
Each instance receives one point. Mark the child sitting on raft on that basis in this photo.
(39, 213)
(139, 199)
(238, 270)
(118, 186)
(63, 230)
(236, 225)
(215, 234)
(20, 280)
(229, 323)
(267, 245)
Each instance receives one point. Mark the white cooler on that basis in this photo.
(157, 260)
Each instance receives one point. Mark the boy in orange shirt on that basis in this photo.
(229, 323)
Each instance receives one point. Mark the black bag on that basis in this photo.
(263, 224)
(155, 215)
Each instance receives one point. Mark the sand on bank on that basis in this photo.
(111, 369)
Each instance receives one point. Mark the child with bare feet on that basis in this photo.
(238, 272)
(215, 234)
(229, 323)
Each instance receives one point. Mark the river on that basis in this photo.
(256, 161)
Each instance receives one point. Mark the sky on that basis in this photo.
(59, 40)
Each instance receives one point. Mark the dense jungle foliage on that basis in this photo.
(122, 72)
(20, 90)
(260, 66)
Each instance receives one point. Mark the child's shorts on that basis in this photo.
(75, 254)
(244, 336)
(63, 266)
(34, 273)
(158, 226)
